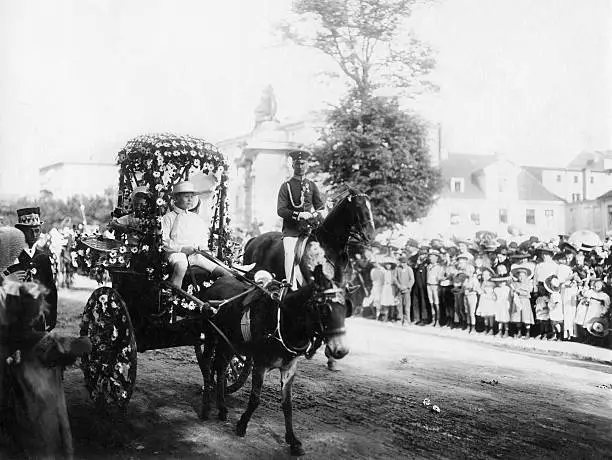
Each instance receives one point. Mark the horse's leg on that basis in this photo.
(287, 375)
(204, 357)
(221, 363)
(257, 377)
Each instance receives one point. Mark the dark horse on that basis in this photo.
(275, 334)
(350, 221)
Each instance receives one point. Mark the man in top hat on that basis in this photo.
(36, 264)
(299, 202)
(184, 234)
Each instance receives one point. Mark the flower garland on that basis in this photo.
(160, 161)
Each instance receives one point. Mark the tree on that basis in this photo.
(56, 212)
(367, 39)
(382, 151)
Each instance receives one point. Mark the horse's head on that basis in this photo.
(32, 402)
(331, 309)
(352, 216)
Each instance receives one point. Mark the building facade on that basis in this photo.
(484, 192)
(65, 179)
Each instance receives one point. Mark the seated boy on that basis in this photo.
(184, 232)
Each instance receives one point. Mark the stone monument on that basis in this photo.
(263, 165)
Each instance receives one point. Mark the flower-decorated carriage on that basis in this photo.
(142, 310)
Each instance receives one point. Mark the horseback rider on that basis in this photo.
(299, 204)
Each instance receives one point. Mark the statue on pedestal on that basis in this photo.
(266, 109)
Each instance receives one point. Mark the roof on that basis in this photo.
(531, 189)
(592, 160)
(464, 165)
(468, 166)
(605, 196)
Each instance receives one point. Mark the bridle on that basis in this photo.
(356, 233)
(322, 305)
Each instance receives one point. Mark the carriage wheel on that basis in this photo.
(237, 373)
(110, 368)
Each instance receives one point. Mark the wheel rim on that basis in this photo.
(110, 368)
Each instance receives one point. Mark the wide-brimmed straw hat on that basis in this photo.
(12, 242)
(184, 187)
(598, 327)
(552, 284)
(521, 268)
(500, 279)
(141, 190)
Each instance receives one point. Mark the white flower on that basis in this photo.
(159, 202)
(435, 408)
(156, 174)
(112, 260)
(121, 260)
(122, 249)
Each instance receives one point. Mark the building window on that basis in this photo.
(575, 196)
(609, 216)
(575, 179)
(457, 185)
(549, 213)
(475, 218)
(454, 218)
(530, 216)
(503, 183)
(503, 216)
(592, 179)
(558, 177)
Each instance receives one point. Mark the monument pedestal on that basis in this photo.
(263, 166)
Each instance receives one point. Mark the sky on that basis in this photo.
(523, 78)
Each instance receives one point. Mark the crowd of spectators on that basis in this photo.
(550, 290)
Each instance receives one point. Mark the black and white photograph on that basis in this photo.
(319, 229)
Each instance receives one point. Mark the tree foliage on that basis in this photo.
(382, 151)
(58, 213)
(368, 40)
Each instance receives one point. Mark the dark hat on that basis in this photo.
(552, 284)
(599, 327)
(28, 217)
(520, 255)
(297, 155)
(546, 248)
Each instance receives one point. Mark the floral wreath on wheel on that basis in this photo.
(159, 161)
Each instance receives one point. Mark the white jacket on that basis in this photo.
(182, 228)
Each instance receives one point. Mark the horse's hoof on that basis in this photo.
(223, 416)
(240, 429)
(297, 450)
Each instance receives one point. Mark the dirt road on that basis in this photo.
(494, 403)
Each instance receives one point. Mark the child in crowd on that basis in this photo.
(487, 305)
(502, 301)
(542, 311)
(555, 306)
(521, 313)
(435, 274)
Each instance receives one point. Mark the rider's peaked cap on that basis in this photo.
(297, 155)
(28, 217)
(184, 187)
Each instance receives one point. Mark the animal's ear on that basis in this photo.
(319, 276)
(349, 307)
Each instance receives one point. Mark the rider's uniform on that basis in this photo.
(295, 196)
